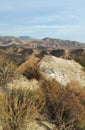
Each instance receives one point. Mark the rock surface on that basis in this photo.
(64, 71)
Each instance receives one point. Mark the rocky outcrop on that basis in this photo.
(64, 71)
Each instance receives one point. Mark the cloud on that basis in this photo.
(70, 32)
(55, 18)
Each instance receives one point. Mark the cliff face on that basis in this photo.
(64, 71)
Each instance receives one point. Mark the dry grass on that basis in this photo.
(20, 107)
(29, 69)
(64, 106)
(7, 71)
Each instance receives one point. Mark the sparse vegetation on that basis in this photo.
(51, 102)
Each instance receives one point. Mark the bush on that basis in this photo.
(63, 106)
(32, 73)
(31, 70)
(20, 107)
(7, 71)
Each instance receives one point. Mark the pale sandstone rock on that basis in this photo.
(64, 71)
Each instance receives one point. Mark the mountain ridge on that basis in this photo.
(20, 50)
(47, 40)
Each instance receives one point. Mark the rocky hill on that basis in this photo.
(19, 50)
(46, 42)
(58, 43)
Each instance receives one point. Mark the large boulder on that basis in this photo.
(64, 71)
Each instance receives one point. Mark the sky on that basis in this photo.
(63, 19)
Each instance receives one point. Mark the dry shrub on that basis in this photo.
(21, 107)
(81, 60)
(7, 71)
(32, 73)
(29, 69)
(79, 92)
(63, 106)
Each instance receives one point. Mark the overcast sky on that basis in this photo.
(64, 19)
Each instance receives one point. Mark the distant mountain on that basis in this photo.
(25, 37)
(43, 43)
(64, 43)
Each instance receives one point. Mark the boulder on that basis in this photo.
(64, 71)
